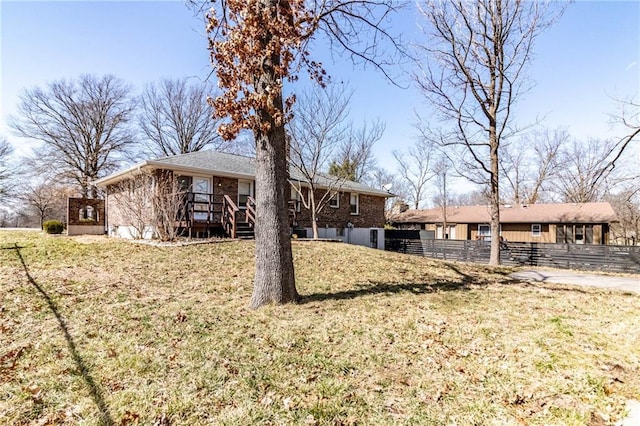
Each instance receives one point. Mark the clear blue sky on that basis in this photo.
(591, 55)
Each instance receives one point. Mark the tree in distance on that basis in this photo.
(175, 118)
(473, 72)
(82, 124)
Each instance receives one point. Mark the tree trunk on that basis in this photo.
(494, 257)
(314, 215)
(274, 276)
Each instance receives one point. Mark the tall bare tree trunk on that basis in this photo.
(314, 216)
(494, 257)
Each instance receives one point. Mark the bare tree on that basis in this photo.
(354, 160)
(46, 199)
(82, 124)
(586, 174)
(630, 118)
(315, 133)
(442, 174)
(473, 74)
(320, 138)
(16, 218)
(149, 202)
(530, 165)
(7, 170)
(175, 118)
(626, 204)
(168, 206)
(478, 197)
(390, 182)
(414, 166)
(255, 47)
(132, 201)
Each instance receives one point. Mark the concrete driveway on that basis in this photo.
(625, 283)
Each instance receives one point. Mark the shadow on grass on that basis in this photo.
(463, 283)
(94, 389)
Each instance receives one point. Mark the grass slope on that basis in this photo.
(102, 331)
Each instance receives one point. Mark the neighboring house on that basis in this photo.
(586, 223)
(217, 198)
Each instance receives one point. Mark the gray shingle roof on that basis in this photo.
(211, 161)
(231, 165)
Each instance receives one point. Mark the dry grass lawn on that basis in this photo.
(102, 331)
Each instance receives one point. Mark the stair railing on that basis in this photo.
(229, 216)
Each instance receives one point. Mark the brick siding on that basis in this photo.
(371, 213)
(76, 205)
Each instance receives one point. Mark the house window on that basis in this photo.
(334, 200)
(245, 190)
(536, 230)
(88, 213)
(579, 232)
(450, 232)
(184, 183)
(484, 232)
(355, 204)
(574, 234)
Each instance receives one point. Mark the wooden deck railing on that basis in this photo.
(199, 210)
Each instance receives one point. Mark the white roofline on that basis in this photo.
(116, 177)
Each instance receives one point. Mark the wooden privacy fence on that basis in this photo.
(565, 256)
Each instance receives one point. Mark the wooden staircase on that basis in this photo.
(237, 223)
(244, 231)
(204, 217)
(201, 216)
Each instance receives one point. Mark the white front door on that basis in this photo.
(201, 191)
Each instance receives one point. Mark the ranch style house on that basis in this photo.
(216, 198)
(586, 223)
